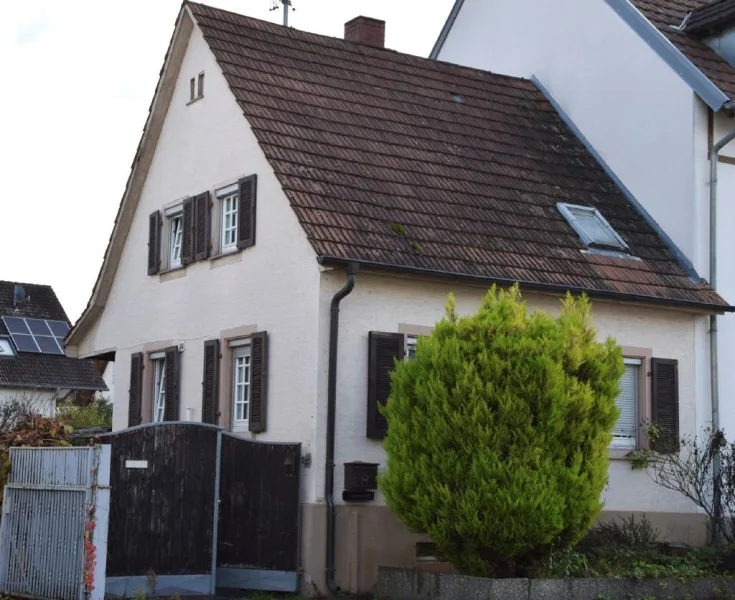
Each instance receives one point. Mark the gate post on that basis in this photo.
(215, 513)
(101, 503)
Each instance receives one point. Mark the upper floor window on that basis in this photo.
(241, 384)
(411, 346)
(230, 206)
(196, 87)
(175, 226)
(592, 227)
(6, 348)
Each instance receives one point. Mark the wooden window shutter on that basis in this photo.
(171, 410)
(154, 242)
(135, 393)
(202, 227)
(258, 381)
(187, 233)
(210, 382)
(248, 187)
(384, 350)
(665, 397)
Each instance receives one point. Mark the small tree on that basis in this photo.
(498, 432)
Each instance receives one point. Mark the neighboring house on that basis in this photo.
(33, 367)
(276, 161)
(650, 84)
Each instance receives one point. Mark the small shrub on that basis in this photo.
(95, 414)
(498, 433)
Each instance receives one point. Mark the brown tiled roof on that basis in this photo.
(667, 13)
(28, 370)
(711, 15)
(402, 161)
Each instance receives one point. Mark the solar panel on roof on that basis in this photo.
(37, 335)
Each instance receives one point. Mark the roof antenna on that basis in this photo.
(286, 4)
(19, 295)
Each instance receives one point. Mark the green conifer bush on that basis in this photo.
(498, 432)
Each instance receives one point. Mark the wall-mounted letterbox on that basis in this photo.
(361, 481)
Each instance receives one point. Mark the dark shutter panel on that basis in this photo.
(135, 393)
(187, 233)
(259, 381)
(202, 227)
(665, 397)
(248, 187)
(154, 243)
(384, 349)
(210, 382)
(171, 410)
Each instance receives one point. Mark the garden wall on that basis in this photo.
(404, 584)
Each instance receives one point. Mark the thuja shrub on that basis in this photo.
(498, 432)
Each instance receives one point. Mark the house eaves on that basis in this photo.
(700, 84)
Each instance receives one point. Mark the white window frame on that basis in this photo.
(566, 211)
(159, 386)
(627, 442)
(241, 354)
(223, 195)
(173, 215)
(411, 341)
(6, 347)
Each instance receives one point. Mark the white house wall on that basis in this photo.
(381, 303)
(636, 112)
(42, 401)
(272, 286)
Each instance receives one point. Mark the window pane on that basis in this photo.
(595, 228)
(627, 426)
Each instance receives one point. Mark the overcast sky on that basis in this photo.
(78, 77)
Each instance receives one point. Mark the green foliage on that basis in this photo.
(498, 432)
(398, 228)
(95, 414)
(416, 247)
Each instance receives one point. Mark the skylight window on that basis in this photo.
(592, 227)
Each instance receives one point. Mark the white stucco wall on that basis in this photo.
(381, 303)
(636, 112)
(273, 287)
(42, 401)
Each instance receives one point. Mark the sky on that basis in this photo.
(78, 77)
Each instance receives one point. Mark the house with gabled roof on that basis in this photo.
(651, 85)
(298, 210)
(34, 369)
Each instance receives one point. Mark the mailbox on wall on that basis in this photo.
(361, 481)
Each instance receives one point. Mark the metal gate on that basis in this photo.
(55, 510)
(167, 534)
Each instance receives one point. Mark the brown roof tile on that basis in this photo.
(403, 161)
(665, 14)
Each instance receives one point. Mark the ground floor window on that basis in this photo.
(159, 387)
(625, 433)
(241, 370)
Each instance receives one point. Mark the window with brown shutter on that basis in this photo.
(135, 393)
(171, 410)
(210, 383)
(246, 211)
(259, 381)
(384, 350)
(187, 239)
(665, 397)
(154, 243)
(202, 226)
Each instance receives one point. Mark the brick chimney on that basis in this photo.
(366, 31)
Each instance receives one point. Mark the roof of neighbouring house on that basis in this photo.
(668, 14)
(33, 370)
(709, 16)
(396, 160)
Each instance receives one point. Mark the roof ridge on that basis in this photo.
(279, 29)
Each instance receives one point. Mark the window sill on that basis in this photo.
(190, 102)
(241, 427)
(226, 258)
(171, 274)
(619, 453)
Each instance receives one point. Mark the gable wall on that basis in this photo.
(272, 286)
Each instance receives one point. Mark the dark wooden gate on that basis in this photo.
(162, 512)
(258, 535)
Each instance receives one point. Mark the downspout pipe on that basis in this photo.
(352, 269)
(713, 352)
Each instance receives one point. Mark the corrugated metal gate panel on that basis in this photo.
(45, 514)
